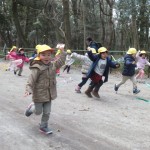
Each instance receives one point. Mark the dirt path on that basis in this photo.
(113, 122)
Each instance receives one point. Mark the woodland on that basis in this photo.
(116, 24)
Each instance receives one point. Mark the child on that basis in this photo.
(11, 56)
(42, 85)
(86, 64)
(20, 55)
(100, 68)
(141, 62)
(69, 61)
(129, 70)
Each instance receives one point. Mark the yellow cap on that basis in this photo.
(102, 50)
(37, 46)
(13, 47)
(68, 51)
(42, 48)
(58, 52)
(132, 51)
(143, 52)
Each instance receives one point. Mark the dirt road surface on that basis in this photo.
(113, 122)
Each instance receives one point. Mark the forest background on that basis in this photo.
(116, 24)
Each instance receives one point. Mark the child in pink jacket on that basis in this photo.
(11, 56)
(141, 63)
(20, 55)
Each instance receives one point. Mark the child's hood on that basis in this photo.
(38, 64)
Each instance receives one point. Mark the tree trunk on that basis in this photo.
(66, 23)
(22, 40)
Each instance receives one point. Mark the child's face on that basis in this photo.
(134, 55)
(104, 55)
(45, 57)
(22, 52)
(143, 56)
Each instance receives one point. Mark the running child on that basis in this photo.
(129, 70)
(141, 63)
(100, 68)
(42, 85)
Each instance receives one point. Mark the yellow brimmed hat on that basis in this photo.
(42, 48)
(68, 51)
(132, 51)
(142, 52)
(102, 50)
(13, 47)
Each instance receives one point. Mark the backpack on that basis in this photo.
(98, 44)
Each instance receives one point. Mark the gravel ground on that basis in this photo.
(114, 122)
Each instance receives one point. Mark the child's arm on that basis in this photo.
(78, 56)
(147, 63)
(91, 56)
(31, 81)
(113, 64)
(60, 61)
(138, 54)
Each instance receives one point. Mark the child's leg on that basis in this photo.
(16, 70)
(124, 79)
(142, 73)
(84, 80)
(90, 89)
(135, 90)
(96, 89)
(68, 69)
(65, 68)
(46, 114)
(20, 71)
(58, 71)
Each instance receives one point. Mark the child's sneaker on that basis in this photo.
(116, 88)
(46, 130)
(28, 111)
(77, 89)
(136, 91)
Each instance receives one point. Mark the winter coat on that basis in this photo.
(86, 62)
(23, 58)
(69, 61)
(129, 68)
(11, 55)
(95, 59)
(42, 80)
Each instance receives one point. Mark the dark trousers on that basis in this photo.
(96, 86)
(84, 80)
(67, 67)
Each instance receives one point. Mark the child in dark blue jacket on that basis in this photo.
(129, 70)
(99, 68)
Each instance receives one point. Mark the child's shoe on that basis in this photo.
(28, 111)
(14, 72)
(46, 130)
(77, 89)
(116, 88)
(136, 91)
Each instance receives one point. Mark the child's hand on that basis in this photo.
(26, 94)
(117, 65)
(88, 48)
(133, 62)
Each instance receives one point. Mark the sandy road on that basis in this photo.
(115, 122)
